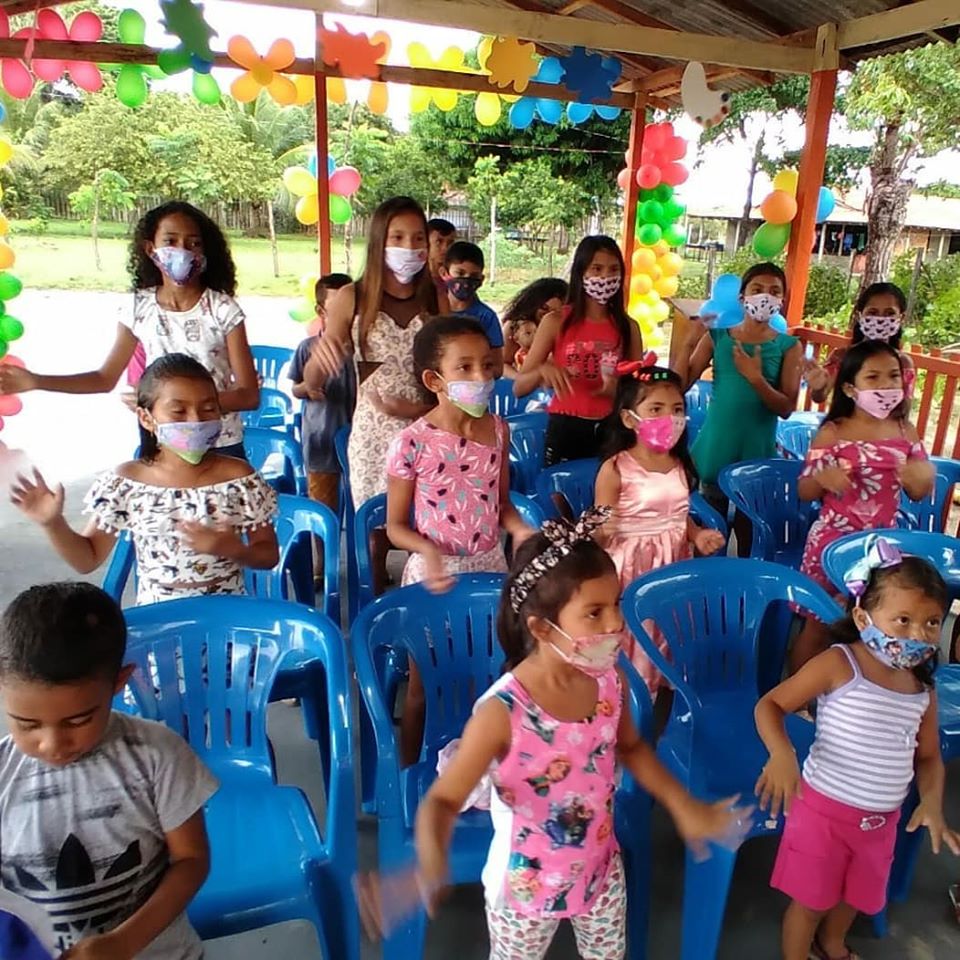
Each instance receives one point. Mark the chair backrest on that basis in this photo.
(275, 410)
(766, 491)
(932, 512)
(704, 515)
(528, 432)
(794, 436)
(123, 562)
(574, 480)
(697, 400)
(269, 362)
(503, 402)
(530, 512)
(261, 443)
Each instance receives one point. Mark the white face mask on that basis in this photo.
(405, 263)
(761, 306)
(593, 655)
(875, 327)
(601, 289)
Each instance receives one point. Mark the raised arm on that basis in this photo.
(331, 350)
(244, 394)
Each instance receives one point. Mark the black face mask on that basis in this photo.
(463, 288)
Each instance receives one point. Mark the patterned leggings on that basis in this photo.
(601, 933)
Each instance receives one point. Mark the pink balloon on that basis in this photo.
(1, 423)
(50, 26)
(85, 75)
(675, 148)
(623, 178)
(16, 79)
(86, 26)
(648, 176)
(10, 406)
(675, 174)
(655, 136)
(12, 360)
(345, 181)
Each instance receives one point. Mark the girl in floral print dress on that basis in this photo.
(864, 454)
(451, 467)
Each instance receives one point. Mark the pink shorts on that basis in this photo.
(833, 853)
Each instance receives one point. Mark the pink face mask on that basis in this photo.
(879, 403)
(594, 655)
(660, 434)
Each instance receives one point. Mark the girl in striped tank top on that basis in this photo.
(876, 725)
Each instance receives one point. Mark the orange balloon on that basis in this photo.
(661, 247)
(640, 284)
(671, 264)
(655, 273)
(644, 259)
(667, 286)
(779, 207)
(7, 256)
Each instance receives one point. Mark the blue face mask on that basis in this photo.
(902, 653)
(179, 264)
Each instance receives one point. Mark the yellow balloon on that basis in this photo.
(640, 311)
(306, 90)
(7, 256)
(671, 264)
(667, 286)
(661, 311)
(445, 100)
(640, 283)
(654, 339)
(6, 152)
(487, 109)
(299, 181)
(483, 51)
(307, 286)
(786, 180)
(652, 298)
(661, 247)
(644, 259)
(378, 98)
(4, 225)
(655, 272)
(307, 210)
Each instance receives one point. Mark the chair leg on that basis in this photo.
(905, 853)
(407, 940)
(705, 890)
(637, 868)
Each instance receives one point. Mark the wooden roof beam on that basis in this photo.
(915, 19)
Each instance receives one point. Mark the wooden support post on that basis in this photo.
(823, 88)
(323, 179)
(638, 124)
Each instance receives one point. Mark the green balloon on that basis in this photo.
(650, 234)
(131, 86)
(652, 212)
(10, 329)
(10, 286)
(674, 210)
(173, 61)
(131, 27)
(205, 88)
(770, 239)
(3, 348)
(340, 211)
(303, 312)
(646, 194)
(675, 235)
(664, 193)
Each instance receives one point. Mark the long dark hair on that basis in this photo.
(431, 341)
(617, 437)
(766, 269)
(220, 274)
(550, 594)
(532, 297)
(866, 295)
(842, 406)
(577, 297)
(912, 573)
(171, 366)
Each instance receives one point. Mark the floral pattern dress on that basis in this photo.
(166, 568)
(456, 499)
(871, 502)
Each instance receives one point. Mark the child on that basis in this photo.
(865, 452)
(646, 480)
(552, 732)
(325, 410)
(441, 234)
(878, 314)
(462, 275)
(525, 311)
(876, 726)
(184, 281)
(576, 350)
(452, 467)
(101, 813)
(196, 517)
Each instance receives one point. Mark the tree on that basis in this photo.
(108, 190)
(911, 101)
(841, 170)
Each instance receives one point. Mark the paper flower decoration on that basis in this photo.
(184, 20)
(422, 97)
(262, 72)
(306, 90)
(523, 112)
(589, 75)
(487, 106)
(132, 86)
(582, 112)
(205, 87)
(378, 98)
(302, 183)
(355, 53)
(511, 63)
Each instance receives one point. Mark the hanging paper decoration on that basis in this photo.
(355, 54)
(184, 20)
(378, 99)
(302, 183)
(306, 90)
(779, 209)
(11, 329)
(205, 87)
(262, 72)
(422, 97)
(589, 75)
(526, 109)
(707, 107)
(511, 63)
(132, 89)
(582, 112)
(487, 105)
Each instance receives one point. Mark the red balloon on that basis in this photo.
(655, 136)
(675, 174)
(12, 360)
(16, 78)
(345, 181)
(675, 148)
(10, 406)
(648, 176)
(623, 178)
(86, 26)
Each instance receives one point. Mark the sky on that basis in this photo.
(723, 167)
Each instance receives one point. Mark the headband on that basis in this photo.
(562, 536)
(645, 370)
(879, 554)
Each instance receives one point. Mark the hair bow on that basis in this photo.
(563, 536)
(879, 554)
(645, 369)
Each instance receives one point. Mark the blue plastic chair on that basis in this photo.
(341, 440)
(766, 492)
(711, 612)
(275, 410)
(452, 639)
(932, 512)
(795, 434)
(261, 444)
(504, 404)
(697, 400)
(528, 434)
(298, 522)
(269, 363)
(210, 681)
(123, 562)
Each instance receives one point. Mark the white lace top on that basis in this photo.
(166, 568)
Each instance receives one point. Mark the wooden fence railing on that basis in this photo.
(936, 391)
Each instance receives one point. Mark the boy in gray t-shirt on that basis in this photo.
(101, 814)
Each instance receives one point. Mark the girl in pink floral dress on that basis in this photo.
(865, 453)
(451, 467)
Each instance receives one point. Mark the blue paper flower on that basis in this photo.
(589, 75)
(526, 109)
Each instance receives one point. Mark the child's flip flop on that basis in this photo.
(818, 953)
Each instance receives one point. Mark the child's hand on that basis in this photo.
(385, 901)
(707, 541)
(217, 541)
(917, 473)
(436, 578)
(930, 815)
(722, 822)
(36, 500)
(104, 946)
(835, 480)
(555, 378)
(317, 395)
(778, 783)
(749, 367)
(328, 355)
(14, 379)
(816, 377)
(521, 535)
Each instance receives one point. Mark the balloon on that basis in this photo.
(307, 286)
(340, 210)
(651, 212)
(732, 317)
(649, 234)
(4, 225)
(770, 239)
(307, 209)
(487, 109)
(131, 86)
(10, 329)
(303, 311)
(674, 210)
(299, 181)
(675, 148)
(660, 311)
(663, 194)
(331, 165)
(648, 176)
(131, 26)
(671, 264)
(659, 249)
(10, 406)
(645, 195)
(779, 207)
(205, 88)
(667, 286)
(826, 203)
(10, 286)
(726, 289)
(655, 274)
(640, 284)
(674, 174)
(655, 136)
(6, 152)
(786, 180)
(644, 259)
(345, 181)
(675, 236)
(778, 322)
(640, 311)
(7, 257)
(623, 177)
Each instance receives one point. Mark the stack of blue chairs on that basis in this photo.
(270, 363)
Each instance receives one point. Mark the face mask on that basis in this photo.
(463, 288)
(180, 265)
(189, 439)
(903, 654)
(594, 655)
(601, 289)
(761, 307)
(470, 396)
(879, 403)
(404, 263)
(660, 434)
(878, 328)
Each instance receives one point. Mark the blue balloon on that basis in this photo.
(778, 322)
(200, 65)
(607, 113)
(551, 71)
(731, 317)
(579, 112)
(312, 164)
(521, 113)
(331, 165)
(3, 113)
(726, 290)
(826, 203)
(550, 111)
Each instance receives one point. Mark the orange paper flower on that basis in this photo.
(356, 55)
(263, 73)
(512, 63)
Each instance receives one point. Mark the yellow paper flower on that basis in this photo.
(263, 73)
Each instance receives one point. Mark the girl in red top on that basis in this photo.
(576, 351)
